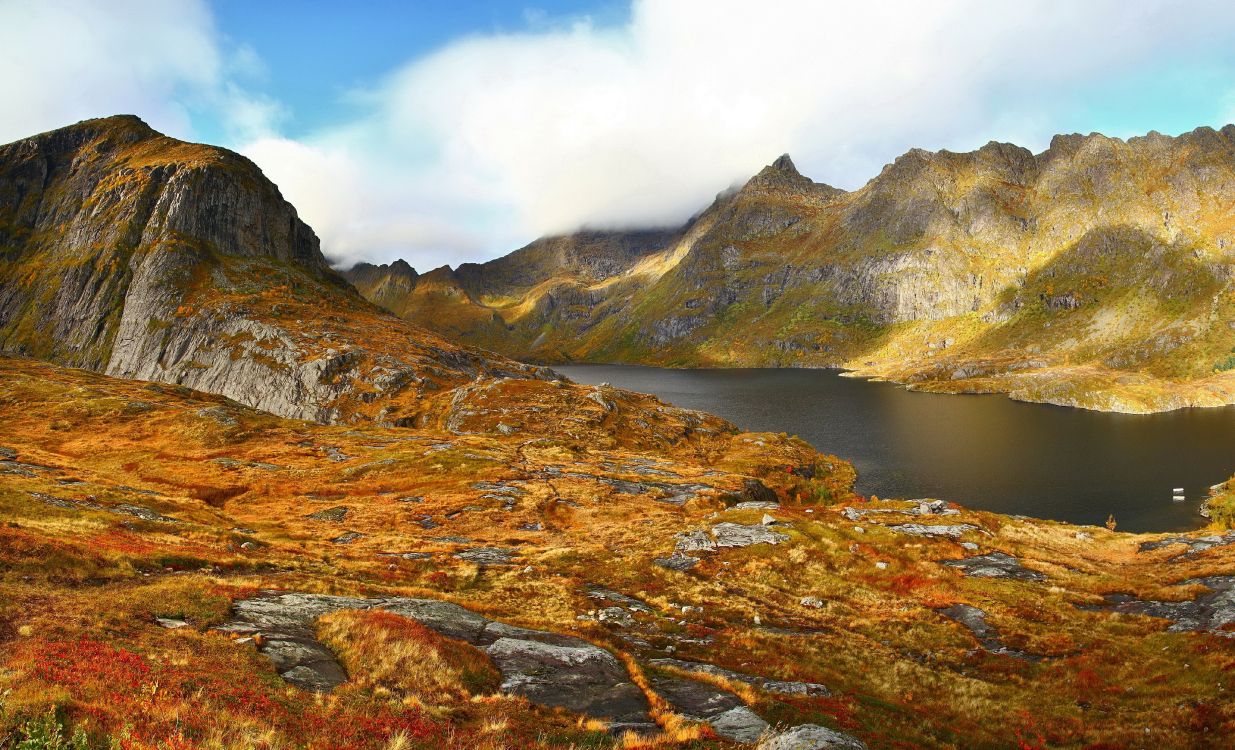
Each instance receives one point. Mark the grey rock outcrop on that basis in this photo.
(995, 565)
(974, 620)
(1212, 611)
(953, 531)
(780, 687)
(1192, 544)
(811, 737)
(140, 256)
(550, 669)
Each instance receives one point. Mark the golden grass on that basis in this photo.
(901, 675)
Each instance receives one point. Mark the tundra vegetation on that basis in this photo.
(241, 507)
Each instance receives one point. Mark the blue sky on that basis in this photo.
(445, 132)
(316, 53)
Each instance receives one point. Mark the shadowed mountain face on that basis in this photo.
(130, 253)
(1097, 274)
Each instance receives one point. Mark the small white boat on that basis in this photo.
(1178, 490)
(1179, 498)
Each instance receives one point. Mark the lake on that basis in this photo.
(982, 451)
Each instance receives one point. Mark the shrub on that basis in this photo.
(48, 731)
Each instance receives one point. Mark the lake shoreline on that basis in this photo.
(996, 454)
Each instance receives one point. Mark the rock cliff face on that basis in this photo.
(134, 254)
(1096, 273)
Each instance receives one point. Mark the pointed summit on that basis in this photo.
(784, 164)
(782, 176)
(402, 268)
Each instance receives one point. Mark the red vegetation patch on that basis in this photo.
(90, 664)
(908, 583)
(123, 542)
(157, 705)
(16, 545)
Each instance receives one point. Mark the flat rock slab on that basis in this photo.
(995, 565)
(1210, 612)
(665, 492)
(728, 535)
(142, 512)
(811, 737)
(779, 687)
(484, 556)
(721, 709)
(600, 593)
(676, 561)
(501, 488)
(547, 668)
(952, 531)
(1193, 544)
(916, 508)
(124, 509)
(974, 620)
(741, 535)
(330, 515)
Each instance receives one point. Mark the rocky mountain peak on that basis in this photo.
(402, 268)
(142, 256)
(784, 163)
(781, 177)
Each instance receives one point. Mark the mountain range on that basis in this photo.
(1097, 273)
(241, 506)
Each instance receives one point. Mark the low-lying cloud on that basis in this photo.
(495, 140)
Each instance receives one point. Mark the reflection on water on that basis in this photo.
(982, 451)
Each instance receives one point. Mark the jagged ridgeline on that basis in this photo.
(134, 254)
(1097, 273)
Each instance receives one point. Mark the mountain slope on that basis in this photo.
(130, 253)
(1097, 273)
(165, 552)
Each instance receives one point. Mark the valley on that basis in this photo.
(242, 506)
(1095, 274)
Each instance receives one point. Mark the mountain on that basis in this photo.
(1097, 273)
(140, 256)
(351, 533)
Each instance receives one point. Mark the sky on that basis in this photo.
(445, 132)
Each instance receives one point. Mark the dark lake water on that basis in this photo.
(985, 452)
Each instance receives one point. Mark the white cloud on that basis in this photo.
(562, 127)
(496, 139)
(68, 60)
